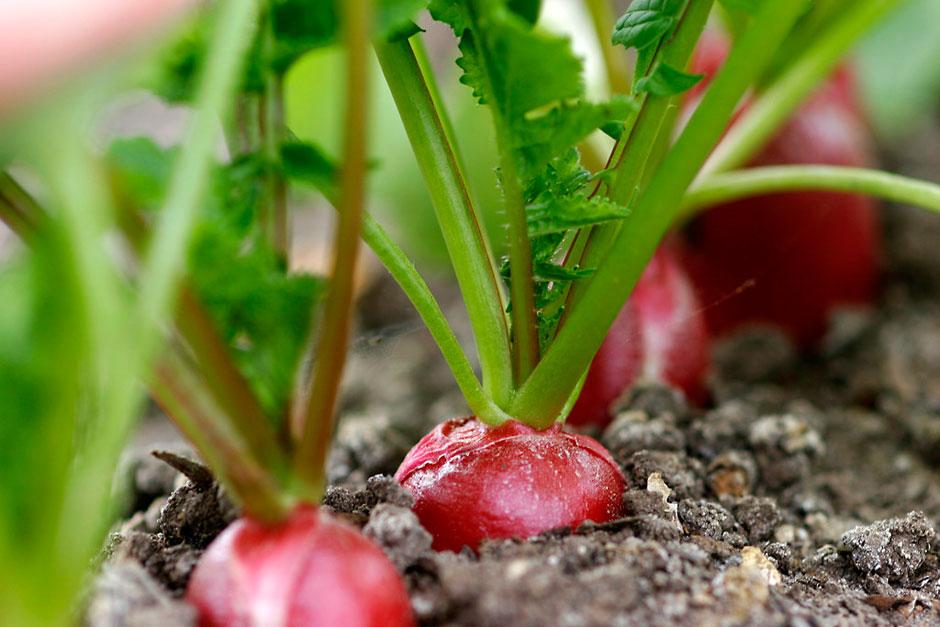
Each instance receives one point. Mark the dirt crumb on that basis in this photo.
(126, 595)
(397, 531)
(895, 548)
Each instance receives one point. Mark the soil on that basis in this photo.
(807, 493)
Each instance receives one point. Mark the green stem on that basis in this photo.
(524, 329)
(722, 188)
(650, 123)
(784, 95)
(615, 60)
(103, 420)
(650, 130)
(633, 156)
(276, 224)
(417, 291)
(427, 70)
(240, 143)
(814, 23)
(18, 210)
(180, 393)
(543, 396)
(315, 424)
(271, 126)
(525, 338)
(393, 258)
(469, 252)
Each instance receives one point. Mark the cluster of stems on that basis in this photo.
(661, 181)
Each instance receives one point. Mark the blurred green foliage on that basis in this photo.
(42, 369)
(262, 312)
(898, 69)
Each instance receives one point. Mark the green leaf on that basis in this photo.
(548, 322)
(302, 25)
(296, 26)
(177, 68)
(612, 129)
(395, 18)
(505, 61)
(308, 164)
(533, 82)
(299, 26)
(558, 214)
(263, 313)
(540, 139)
(451, 12)
(142, 168)
(666, 81)
(563, 176)
(646, 22)
(554, 272)
(526, 9)
(174, 76)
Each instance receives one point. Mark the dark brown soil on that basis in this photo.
(808, 493)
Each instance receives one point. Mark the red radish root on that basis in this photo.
(472, 482)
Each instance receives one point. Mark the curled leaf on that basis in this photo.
(666, 81)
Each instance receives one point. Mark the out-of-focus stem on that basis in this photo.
(314, 426)
(615, 60)
(784, 95)
(729, 186)
(180, 393)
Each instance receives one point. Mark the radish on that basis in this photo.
(677, 347)
(659, 334)
(789, 259)
(309, 569)
(472, 482)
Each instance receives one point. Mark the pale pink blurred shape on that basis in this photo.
(42, 40)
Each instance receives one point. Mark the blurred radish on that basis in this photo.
(790, 259)
(660, 334)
